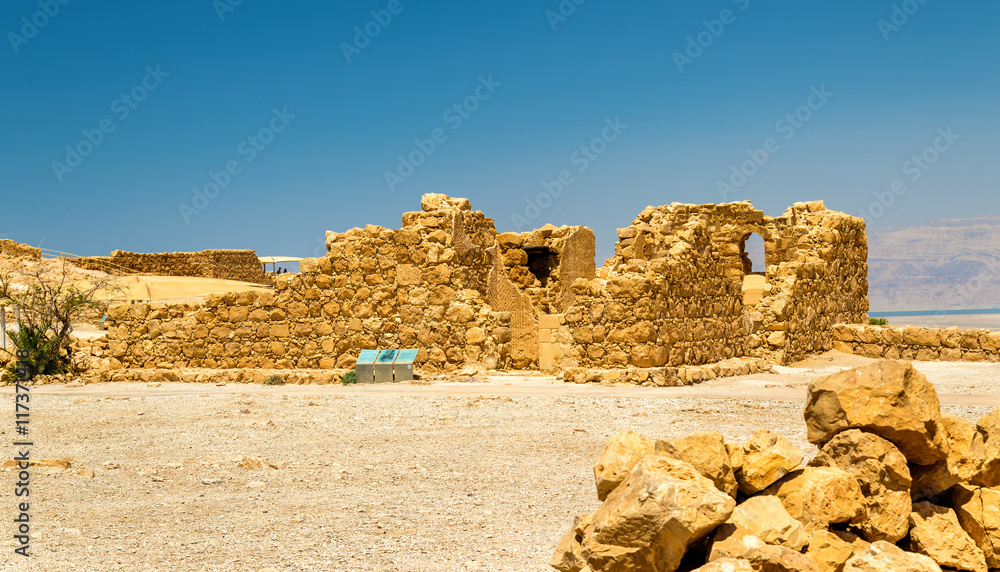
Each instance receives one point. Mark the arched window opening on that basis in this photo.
(754, 267)
(752, 253)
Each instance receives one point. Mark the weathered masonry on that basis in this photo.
(239, 265)
(449, 284)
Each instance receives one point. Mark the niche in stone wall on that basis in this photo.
(542, 262)
(753, 257)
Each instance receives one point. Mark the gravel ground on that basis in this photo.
(447, 476)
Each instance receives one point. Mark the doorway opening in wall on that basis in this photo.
(542, 262)
(754, 267)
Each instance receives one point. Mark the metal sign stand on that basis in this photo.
(383, 366)
(365, 366)
(402, 370)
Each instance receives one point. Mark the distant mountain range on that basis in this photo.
(942, 265)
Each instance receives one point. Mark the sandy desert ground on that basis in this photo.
(438, 477)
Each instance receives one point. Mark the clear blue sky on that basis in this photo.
(220, 78)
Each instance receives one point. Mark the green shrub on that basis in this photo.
(878, 322)
(50, 302)
(274, 380)
(45, 351)
(349, 377)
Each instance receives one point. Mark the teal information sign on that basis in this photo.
(367, 356)
(406, 356)
(383, 366)
(387, 356)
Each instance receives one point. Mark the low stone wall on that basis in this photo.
(274, 330)
(240, 265)
(668, 376)
(11, 249)
(917, 343)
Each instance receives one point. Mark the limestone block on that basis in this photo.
(767, 457)
(648, 522)
(989, 427)
(883, 475)
(763, 517)
(935, 532)
(820, 496)
(882, 556)
(831, 550)
(620, 455)
(707, 453)
(967, 453)
(978, 511)
(887, 398)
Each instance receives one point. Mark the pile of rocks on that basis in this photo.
(896, 486)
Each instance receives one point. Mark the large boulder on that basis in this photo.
(707, 453)
(883, 475)
(978, 511)
(767, 457)
(966, 455)
(820, 496)
(763, 517)
(887, 398)
(989, 427)
(568, 555)
(621, 453)
(649, 521)
(832, 549)
(935, 532)
(884, 557)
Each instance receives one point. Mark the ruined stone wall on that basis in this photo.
(917, 343)
(299, 326)
(422, 286)
(830, 273)
(671, 310)
(816, 267)
(11, 249)
(240, 265)
(447, 284)
(816, 276)
(544, 263)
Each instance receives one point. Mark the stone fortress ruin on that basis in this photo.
(668, 308)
